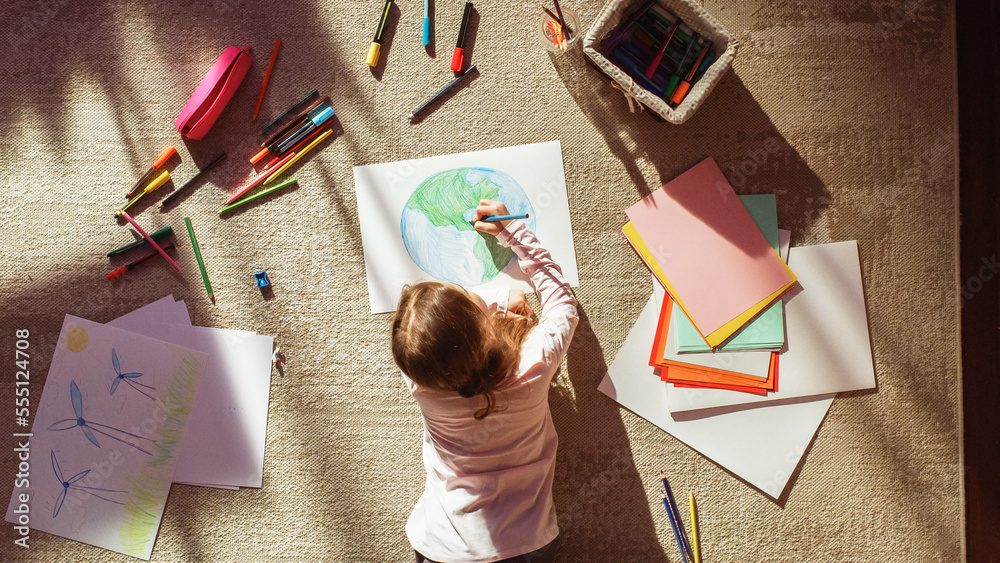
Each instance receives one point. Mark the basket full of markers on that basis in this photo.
(664, 54)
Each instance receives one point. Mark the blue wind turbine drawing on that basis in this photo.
(129, 378)
(89, 427)
(70, 483)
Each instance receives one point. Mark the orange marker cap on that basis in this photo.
(681, 91)
(164, 157)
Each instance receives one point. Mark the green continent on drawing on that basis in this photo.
(436, 229)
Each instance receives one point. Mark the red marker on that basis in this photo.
(128, 267)
(457, 58)
(651, 70)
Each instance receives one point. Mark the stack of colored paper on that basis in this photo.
(720, 263)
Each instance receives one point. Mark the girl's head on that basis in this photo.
(443, 338)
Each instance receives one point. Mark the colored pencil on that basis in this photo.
(157, 236)
(694, 529)
(556, 19)
(131, 265)
(260, 178)
(298, 155)
(160, 161)
(267, 77)
(502, 218)
(562, 20)
(154, 185)
(197, 256)
(258, 195)
(673, 526)
(299, 145)
(150, 240)
(176, 193)
(677, 515)
(442, 91)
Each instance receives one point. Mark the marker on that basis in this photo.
(267, 77)
(313, 121)
(154, 185)
(166, 201)
(376, 46)
(150, 240)
(157, 236)
(197, 255)
(296, 148)
(612, 40)
(496, 218)
(259, 195)
(292, 109)
(651, 69)
(427, 23)
(160, 161)
(459, 54)
(260, 178)
(128, 267)
(676, 78)
(682, 89)
(442, 91)
(298, 155)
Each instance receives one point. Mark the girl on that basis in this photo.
(480, 373)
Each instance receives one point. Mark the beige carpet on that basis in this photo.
(846, 112)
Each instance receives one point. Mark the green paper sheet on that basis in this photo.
(767, 331)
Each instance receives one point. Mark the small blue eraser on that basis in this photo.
(261, 278)
(427, 31)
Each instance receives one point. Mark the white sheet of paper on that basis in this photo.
(106, 437)
(826, 328)
(165, 310)
(231, 409)
(404, 245)
(760, 445)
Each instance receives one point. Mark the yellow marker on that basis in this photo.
(297, 156)
(154, 185)
(376, 46)
(694, 531)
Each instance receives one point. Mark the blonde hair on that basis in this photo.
(442, 340)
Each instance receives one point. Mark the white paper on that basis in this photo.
(106, 434)
(826, 328)
(230, 412)
(533, 181)
(165, 310)
(760, 445)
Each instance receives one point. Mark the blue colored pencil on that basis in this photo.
(673, 525)
(673, 509)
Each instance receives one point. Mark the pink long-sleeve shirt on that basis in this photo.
(488, 494)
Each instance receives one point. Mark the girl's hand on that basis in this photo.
(517, 304)
(489, 208)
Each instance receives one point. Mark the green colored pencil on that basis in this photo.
(257, 195)
(197, 255)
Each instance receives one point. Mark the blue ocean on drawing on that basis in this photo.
(438, 236)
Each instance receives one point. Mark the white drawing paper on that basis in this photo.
(828, 345)
(760, 445)
(414, 214)
(106, 436)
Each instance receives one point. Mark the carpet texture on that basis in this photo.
(845, 111)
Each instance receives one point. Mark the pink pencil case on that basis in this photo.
(214, 92)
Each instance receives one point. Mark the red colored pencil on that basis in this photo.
(267, 76)
(260, 178)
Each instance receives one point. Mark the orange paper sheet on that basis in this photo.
(685, 375)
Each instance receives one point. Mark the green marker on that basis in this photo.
(197, 255)
(257, 195)
(157, 236)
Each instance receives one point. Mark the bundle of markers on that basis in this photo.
(659, 51)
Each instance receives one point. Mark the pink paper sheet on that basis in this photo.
(708, 246)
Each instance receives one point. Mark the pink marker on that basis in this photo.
(150, 240)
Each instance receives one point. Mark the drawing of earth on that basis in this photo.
(436, 230)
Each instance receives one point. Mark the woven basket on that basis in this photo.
(697, 19)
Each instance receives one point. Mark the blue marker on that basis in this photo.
(427, 23)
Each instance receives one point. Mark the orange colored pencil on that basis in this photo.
(267, 76)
